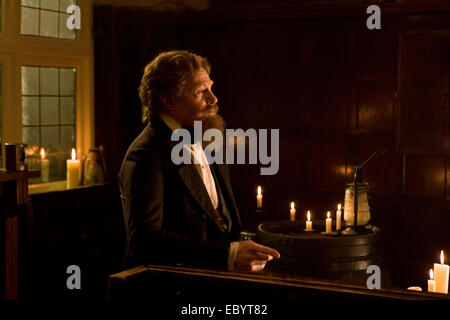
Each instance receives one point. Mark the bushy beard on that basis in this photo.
(213, 122)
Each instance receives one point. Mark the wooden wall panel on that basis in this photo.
(423, 231)
(327, 164)
(375, 105)
(425, 176)
(286, 100)
(377, 52)
(331, 103)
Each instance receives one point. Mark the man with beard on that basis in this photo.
(181, 214)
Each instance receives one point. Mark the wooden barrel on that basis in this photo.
(317, 255)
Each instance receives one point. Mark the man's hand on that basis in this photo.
(253, 257)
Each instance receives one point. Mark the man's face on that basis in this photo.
(197, 102)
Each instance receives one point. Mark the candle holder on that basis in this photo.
(312, 230)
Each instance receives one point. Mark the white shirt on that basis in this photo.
(203, 169)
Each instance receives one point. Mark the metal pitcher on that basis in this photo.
(93, 169)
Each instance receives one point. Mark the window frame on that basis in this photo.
(18, 50)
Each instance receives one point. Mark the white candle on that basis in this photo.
(309, 222)
(292, 212)
(259, 198)
(73, 171)
(328, 223)
(338, 218)
(441, 272)
(45, 167)
(431, 283)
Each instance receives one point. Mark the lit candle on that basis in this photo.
(338, 218)
(441, 272)
(292, 212)
(309, 222)
(431, 283)
(328, 223)
(259, 198)
(45, 168)
(73, 171)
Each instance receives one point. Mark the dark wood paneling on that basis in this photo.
(375, 105)
(327, 164)
(425, 176)
(423, 231)
(331, 103)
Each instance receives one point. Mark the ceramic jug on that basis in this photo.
(93, 170)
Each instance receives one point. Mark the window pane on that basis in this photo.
(30, 110)
(49, 138)
(50, 4)
(49, 24)
(30, 135)
(64, 32)
(67, 138)
(49, 110)
(49, 81)
(31, 3)
(30, 80)
(29, 22)
(49, 115)
(67, 81)
(67, 110)
(63, 4)
(46, 18)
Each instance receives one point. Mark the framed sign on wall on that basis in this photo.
(423, 85)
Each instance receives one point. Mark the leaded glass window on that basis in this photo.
(49, 116)
(46, 18)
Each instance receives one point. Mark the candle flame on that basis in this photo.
(339, 207)
(292, 205)
(442, 256)
(431, 274)
(42, 153)
(309, 216)
(328, 214)
(73, 154)
(259, 190)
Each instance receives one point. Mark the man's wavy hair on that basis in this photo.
(166, 77)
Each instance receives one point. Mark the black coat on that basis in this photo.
(169, 217)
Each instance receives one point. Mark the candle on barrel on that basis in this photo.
(328, 223)
(308, 222)
(431, 283)
(292, 211)
(441, 272)
(338, 218)
(259, 198)
(73, 171)
(45, 167)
